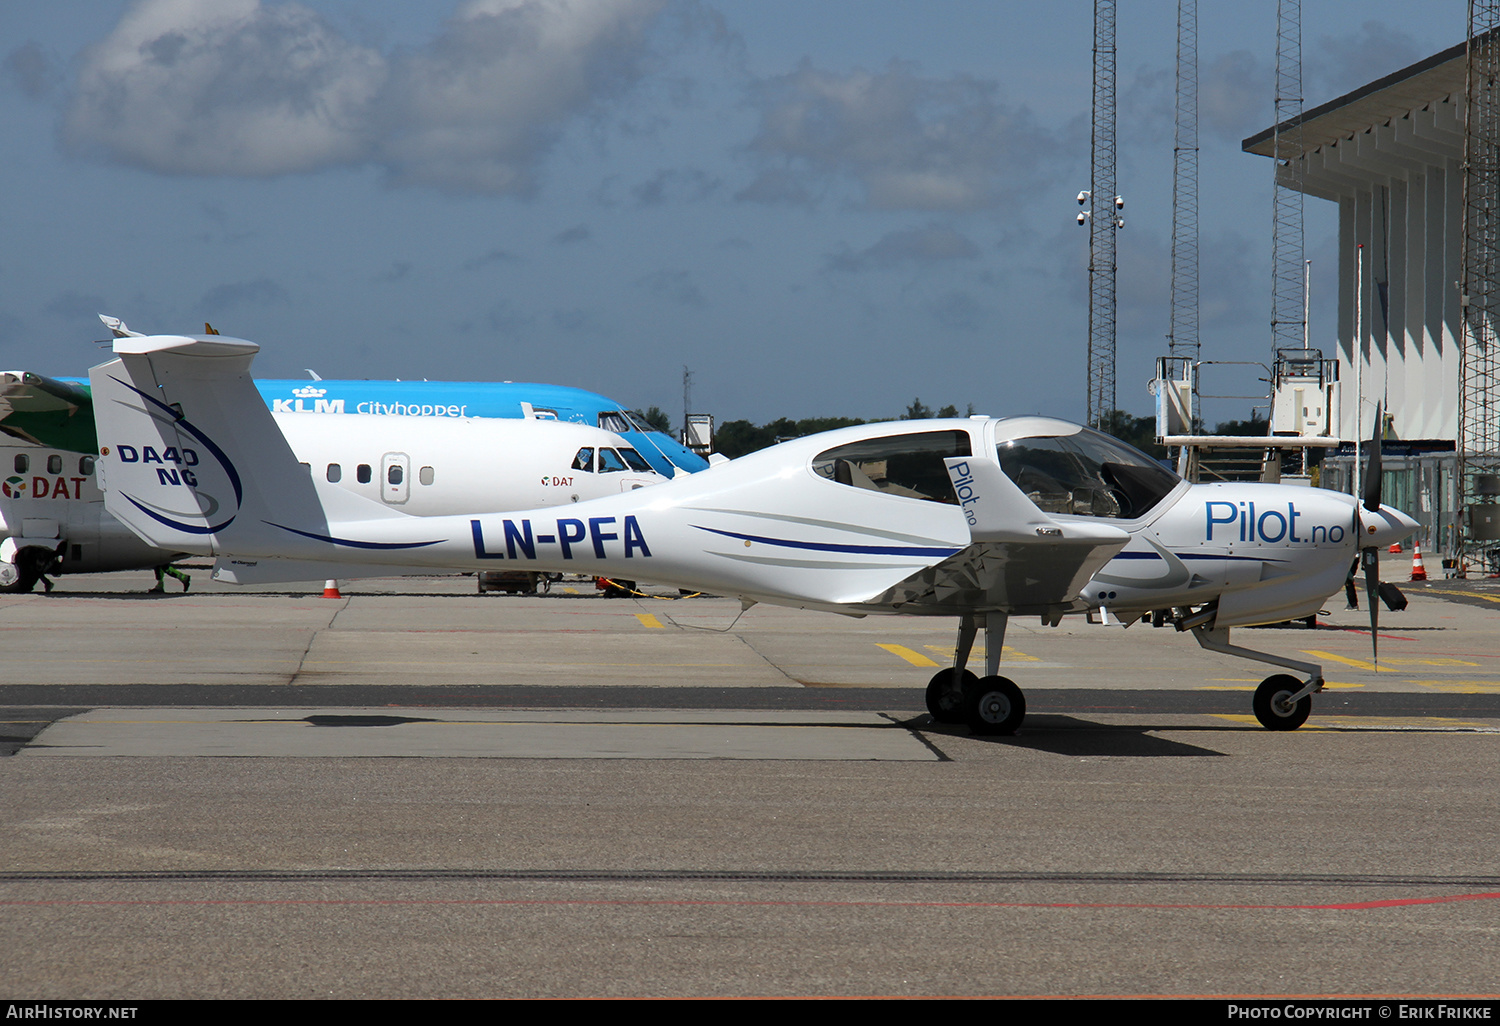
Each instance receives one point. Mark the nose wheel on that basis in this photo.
(1273, 703)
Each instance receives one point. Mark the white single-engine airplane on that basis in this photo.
(980, 519)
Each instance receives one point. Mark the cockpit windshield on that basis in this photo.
(1086, 473)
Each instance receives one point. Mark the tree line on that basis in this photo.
(735, 438)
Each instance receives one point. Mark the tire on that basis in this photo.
(944, 701)
(1270, 695)
(16, 581)
(994, 706)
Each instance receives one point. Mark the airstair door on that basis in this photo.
(395, 475)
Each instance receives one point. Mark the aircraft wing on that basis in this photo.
(1020, 559)
(47, 412)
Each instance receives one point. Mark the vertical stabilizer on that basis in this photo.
(191, 459)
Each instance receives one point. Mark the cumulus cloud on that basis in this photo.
(925, 245)
(253, 88)
(907, 142)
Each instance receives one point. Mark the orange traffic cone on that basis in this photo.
(331, 589)
(1418, 571)
(1396, 549)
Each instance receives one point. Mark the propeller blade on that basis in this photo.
(1372, 466)
(1370, 560)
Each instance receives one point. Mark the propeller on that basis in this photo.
(1369, 556)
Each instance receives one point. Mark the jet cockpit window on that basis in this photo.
(1087, 474)
(909, 464)
(635, 460)
(609, 461)
(615, 421)
(584, 461)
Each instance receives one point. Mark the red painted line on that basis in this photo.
(688, 903)
(1358, 630)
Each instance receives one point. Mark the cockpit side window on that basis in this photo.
(609, 461)
(634, 460)
(615, 421)
(584, 460)
(1086, 474)
(908, 464)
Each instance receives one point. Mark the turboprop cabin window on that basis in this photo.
(909, 464)
(54, 464)
(23, 463)
(1086, 474)
(86, 465)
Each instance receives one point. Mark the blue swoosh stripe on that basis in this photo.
(868, 550)
(358, 544)
(178, 525)
(1193, 555)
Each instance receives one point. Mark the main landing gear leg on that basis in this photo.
(993, 704)
(945, 692)
(1282, 702)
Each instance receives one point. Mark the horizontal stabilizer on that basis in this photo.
(288, 571)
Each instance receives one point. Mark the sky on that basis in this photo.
(818, 207)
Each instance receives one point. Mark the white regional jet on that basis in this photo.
(979, 519)
(53, 512)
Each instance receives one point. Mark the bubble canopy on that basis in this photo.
(1069, 469)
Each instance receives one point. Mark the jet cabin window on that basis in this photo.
(335, 473)
(362, 473)
(1086, 474)
(909, 465)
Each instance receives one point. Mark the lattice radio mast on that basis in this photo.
(1182, 335)
(1479, 363)
(1288, 313)
(1104, 220)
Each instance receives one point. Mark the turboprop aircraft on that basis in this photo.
(980, 519)
(53, 517)
(503, 399)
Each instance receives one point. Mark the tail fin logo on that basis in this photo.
(194, 501)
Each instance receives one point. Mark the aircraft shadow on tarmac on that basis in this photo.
(1069, 735)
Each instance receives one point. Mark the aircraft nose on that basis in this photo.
(1384, 527)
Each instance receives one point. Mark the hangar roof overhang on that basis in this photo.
(1377, 103)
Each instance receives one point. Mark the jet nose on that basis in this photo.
(1383, 527)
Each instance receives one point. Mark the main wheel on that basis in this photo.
(15, 581)
(1272, 703)
(945, 694)
(994, 705)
